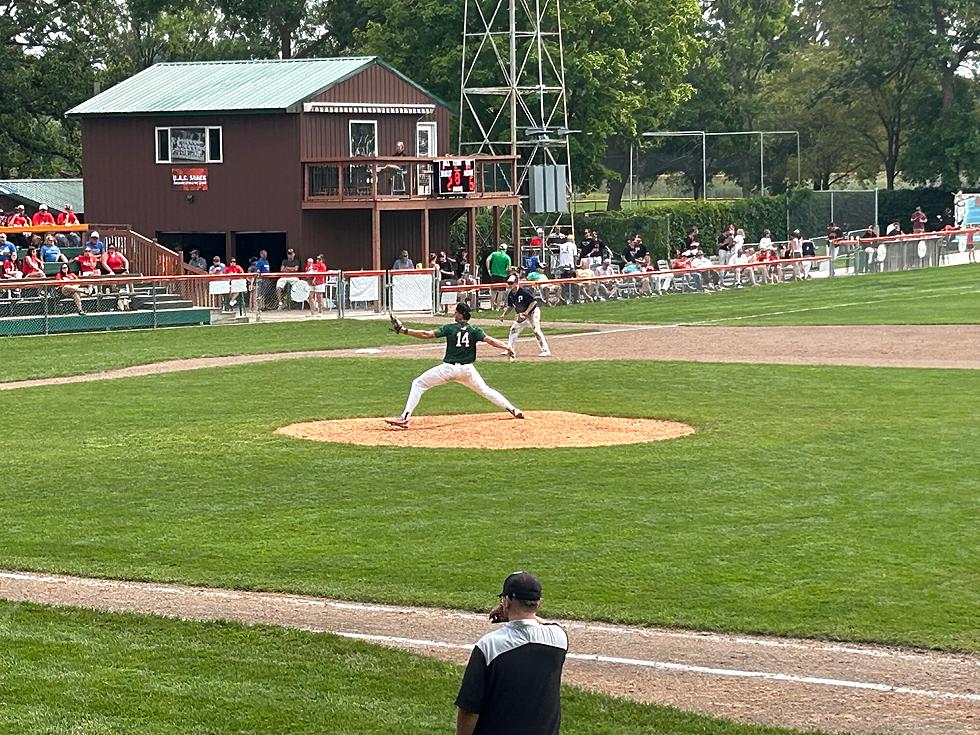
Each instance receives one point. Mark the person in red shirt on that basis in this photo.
(18, 218)
(88, 263)
(317, 294)
(68, 217)
(42, 216)
(73, 292)
(32, 265)
(235, 296)
(114, 263)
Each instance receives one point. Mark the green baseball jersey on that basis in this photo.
(499, 263)
(461, 339)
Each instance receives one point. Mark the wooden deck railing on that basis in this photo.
(363, 179)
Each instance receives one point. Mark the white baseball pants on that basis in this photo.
(453, 373)
(535, 322)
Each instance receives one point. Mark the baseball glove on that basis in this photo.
(396, 326)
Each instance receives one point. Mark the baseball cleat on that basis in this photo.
(544, 353)
(399, 422)
(517, 413)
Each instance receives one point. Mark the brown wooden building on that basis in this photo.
(232, 157)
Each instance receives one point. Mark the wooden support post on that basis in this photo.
(471, 240)
(425, 235)
(376, 238)
(496, 226)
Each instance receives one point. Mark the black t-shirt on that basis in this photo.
(520, 299)
(513, 680)
(641, 252)
(290, 263)
(629, 254)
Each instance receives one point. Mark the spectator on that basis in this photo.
(556, 238)
(6, 247)
(709, 278)
(216, 265)
(512, 683)
(606, 289)
(693, 238)
(3, 218)
(464, 271)
(795, 250)
(433, 263)
(32, 265)
(196, 261)
(399, 149)
(641, 250)
(834, 232)
(68, 217)
(447, 268)
(765, 242)
(919, 220)
(566, 258)
(95, 244)
(586, 289)
(289, 264)
(869, 233)
(809, 251)
(739, 261)
(114, 263)
(11, 268)
(725, 244)
(65, 275)
(19, 219)
(403, 263)
(631, 250)
(738, 241)
(550, 294)
(42, 217)
(50, 252)
(88, 263)
(235, 297)
(263, 286)
(893, 230)
(771, 272)
(317, 300)
(498, 266)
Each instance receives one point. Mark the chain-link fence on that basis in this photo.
(811, 212)
(71, 303)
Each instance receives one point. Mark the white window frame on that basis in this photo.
(207, 143)
(433, 141)
(350, 136)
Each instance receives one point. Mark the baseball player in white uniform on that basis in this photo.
(456, 367)
(526, 311)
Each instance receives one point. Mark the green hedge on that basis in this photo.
(664, 226)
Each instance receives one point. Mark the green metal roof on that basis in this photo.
(56, 193)
(226, 86)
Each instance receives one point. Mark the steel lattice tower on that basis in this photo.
(512, 89)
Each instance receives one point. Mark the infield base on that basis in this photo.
(539, 430)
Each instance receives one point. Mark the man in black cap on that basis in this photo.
(512, 682)
(456, 367)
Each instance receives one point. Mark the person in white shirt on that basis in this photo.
(606, 289)
(709, 278)
(796, 252)
(739, 260)
(765, 242)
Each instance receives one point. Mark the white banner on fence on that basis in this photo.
(216, 288)
(364, 288)
(411, 291)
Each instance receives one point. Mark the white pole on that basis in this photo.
(704, 165)
(762, 165)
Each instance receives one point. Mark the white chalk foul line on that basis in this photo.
(688, 668)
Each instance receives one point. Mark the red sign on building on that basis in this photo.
(189, 179)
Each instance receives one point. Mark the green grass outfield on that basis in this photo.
(813, 501)
(948, 295)
(73, 671)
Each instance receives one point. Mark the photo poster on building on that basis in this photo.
(189, 179)
(188, 145)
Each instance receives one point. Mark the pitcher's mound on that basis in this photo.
(541, 429)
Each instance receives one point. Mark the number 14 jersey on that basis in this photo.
(461, 339)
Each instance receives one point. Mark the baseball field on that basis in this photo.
(834, 499)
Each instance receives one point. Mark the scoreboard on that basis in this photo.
(456, 176)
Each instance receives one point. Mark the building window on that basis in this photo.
(189, 145)
(363, 138)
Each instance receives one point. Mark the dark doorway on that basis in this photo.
(209, 243)
(248, 244)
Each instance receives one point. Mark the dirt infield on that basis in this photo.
(774, 681)
(539, 430)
